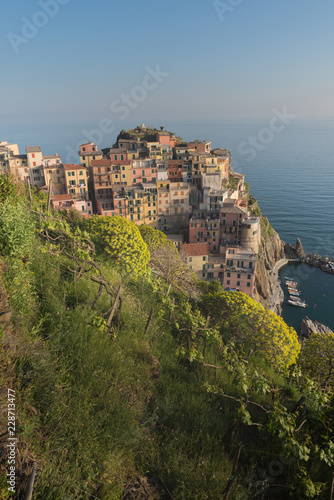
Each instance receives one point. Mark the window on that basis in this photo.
(83, 157)
(228, 282)
(93, 148)
(81, 172)
(250, 265)
(33, 155)
(239, 276)
(238, 283)
(203, 275)
(83, 149)
(82, 208)
(122, 157)
(34, 164)
(115, 157)
(248, 284)
(72, 191)
(72, 183)
(249, 276)
(204, 258)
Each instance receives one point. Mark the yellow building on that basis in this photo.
(76, 179)
(122, 172)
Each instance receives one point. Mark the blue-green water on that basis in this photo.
(292, 177)
(317, 290)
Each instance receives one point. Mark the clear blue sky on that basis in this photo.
(263, 54)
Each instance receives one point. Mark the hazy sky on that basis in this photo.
(81, 60)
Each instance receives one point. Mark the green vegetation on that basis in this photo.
(201, 395)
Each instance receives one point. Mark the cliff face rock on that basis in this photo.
(308, 327)
(271, 251)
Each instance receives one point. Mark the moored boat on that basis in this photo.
(297, 303)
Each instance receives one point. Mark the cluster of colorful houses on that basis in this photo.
(186, 190)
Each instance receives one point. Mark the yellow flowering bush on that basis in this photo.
(122, 241)
(317, 358)
(247, 322)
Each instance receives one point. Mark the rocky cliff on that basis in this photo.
(308, 327)
(271, 251)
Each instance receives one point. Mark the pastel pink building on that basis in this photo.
(87, 148)
(239, 270)
(66, 202)
(175, 170)
(165, 138)
(205, 227)
(200, 147)
(144, 171)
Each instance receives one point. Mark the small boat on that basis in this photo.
(291, 283)
(294, 292)
(297, 303)
(297, 299)
(289, 279)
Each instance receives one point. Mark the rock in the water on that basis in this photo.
(299, 249)
(294, 252)
(308, 327)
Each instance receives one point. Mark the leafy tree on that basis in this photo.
(121, 240)
(152, 237)
(317, 358)
(167, 264)
(12, 189)
(247, 322)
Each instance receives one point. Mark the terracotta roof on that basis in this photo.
(33, 149)
(86, 144)
(73, 166)
(62, 197)
(121, 162)
(91, 153)
(101, 163)
(196, 249)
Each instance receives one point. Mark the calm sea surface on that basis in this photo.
(290, 171)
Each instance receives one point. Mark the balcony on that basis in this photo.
(243, 270)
